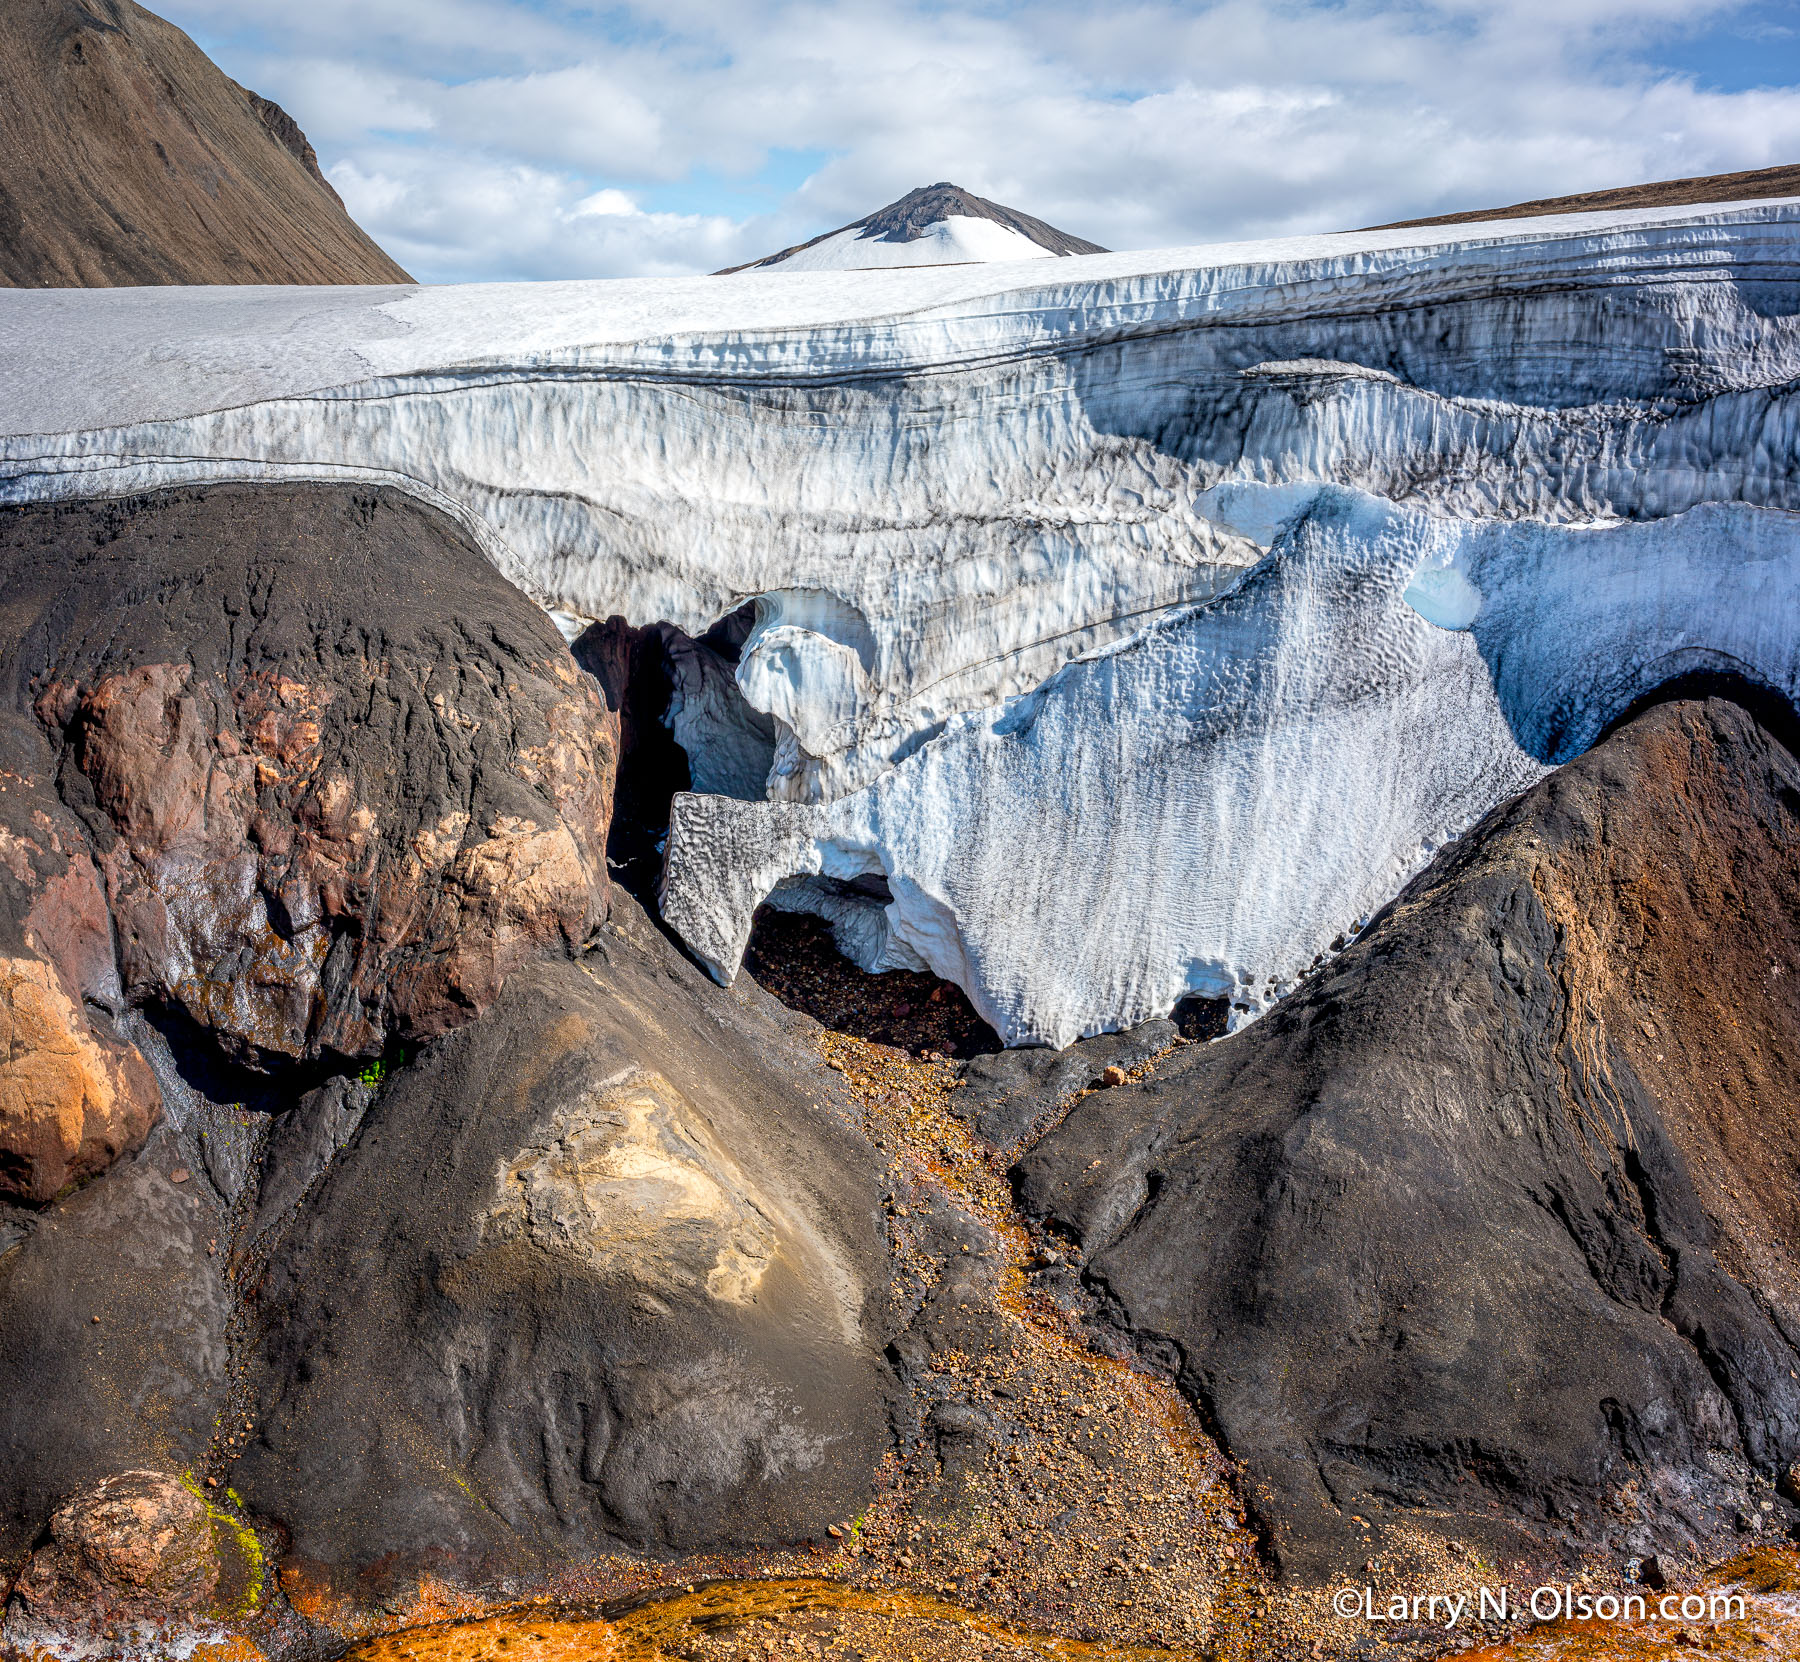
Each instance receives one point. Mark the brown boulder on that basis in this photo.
(340, 776)
(134, 1546)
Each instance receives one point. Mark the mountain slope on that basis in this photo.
(940, 224)
(1487, 1232)
(127, 158)
(1668, 193)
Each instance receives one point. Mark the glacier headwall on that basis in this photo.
(1139, 623)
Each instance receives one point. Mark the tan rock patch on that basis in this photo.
(69, 1105)
(630, 1182)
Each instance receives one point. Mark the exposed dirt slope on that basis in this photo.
(1667, 193)
(127, 158)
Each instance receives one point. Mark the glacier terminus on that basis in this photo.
(1112, 628)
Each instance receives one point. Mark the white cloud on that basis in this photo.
(481, 221)
(487, 138)
(604, 204)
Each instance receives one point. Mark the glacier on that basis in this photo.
(1208, 807)
(1124, 625)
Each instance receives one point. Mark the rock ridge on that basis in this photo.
(1483, 1231)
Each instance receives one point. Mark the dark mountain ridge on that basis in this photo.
(916, 212)
(1752, 186)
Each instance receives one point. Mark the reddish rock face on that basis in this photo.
(74, 1095)
(245, 854)
(135, 1546)
(339, 776)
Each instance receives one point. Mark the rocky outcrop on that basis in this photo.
(127, 158)
(1486, 1231)
(634, 1298)
(70, 1104)
(134, 1546)
(601, 1271)
(1007, 1097)
(339, 777)
(75, 1093)
(303, 797)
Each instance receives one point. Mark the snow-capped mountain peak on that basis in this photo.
(940, 224)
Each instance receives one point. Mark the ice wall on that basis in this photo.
(1209, 805)
(954, 495)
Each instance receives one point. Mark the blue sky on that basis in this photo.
(1740, 48)
(543, 138)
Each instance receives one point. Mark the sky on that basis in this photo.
(529, 139)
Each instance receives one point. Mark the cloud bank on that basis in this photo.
(485, 139)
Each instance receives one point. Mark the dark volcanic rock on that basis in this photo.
(127, 158)
(1489, 1227)
(113, 1339)
(304, 1141)
(1009, 1095)
(294, 774)
(339, 776)
(599, 1270)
